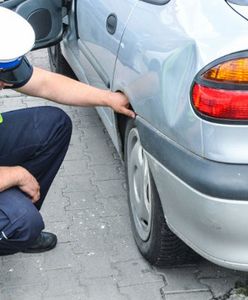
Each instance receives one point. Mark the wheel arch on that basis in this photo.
(121, 125)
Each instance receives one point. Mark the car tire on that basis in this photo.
(155, 241)
(57, 62)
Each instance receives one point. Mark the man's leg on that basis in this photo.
(36, 139)
(20, 222)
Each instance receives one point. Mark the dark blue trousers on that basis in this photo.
(36, 139)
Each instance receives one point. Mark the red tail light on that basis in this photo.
(220, 103)
(220, 92)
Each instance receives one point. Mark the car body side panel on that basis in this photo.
(93, 34)
(168, 54)
(96, 49)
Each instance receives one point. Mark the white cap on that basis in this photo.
(17, 36)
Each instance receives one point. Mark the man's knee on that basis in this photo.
(53, 124)
(20, 222)
(57, 116)
(60, 116)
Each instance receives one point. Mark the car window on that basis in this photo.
(156, 2)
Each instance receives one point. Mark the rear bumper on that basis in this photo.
(222, 180)
(204, 202)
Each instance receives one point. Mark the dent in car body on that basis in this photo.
(171, 51)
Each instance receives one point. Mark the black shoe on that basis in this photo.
(45, 242)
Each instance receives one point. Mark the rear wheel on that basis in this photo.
(156, 242)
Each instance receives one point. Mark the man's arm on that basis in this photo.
(64, 90)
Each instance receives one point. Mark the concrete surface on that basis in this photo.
(96, 257)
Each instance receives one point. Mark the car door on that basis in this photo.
(45, 16)
(101, 25)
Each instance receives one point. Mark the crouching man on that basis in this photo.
(34, 141)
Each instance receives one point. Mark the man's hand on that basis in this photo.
(28, 184)
(119, 103)
(3, 84)
(19, 177)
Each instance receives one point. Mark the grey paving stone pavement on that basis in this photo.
(96, 257)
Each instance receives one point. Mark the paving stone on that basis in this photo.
(74, 153)
(101, 158)
(103, 140)
(120, 235)
(62, 282)
(55, 193)
(79, 183)
(18, 272)
(120, 226)
(24, 292)
(74, 296)
(145, 291)
(111, 188)
(88, 122)
(8, 93)
(100, 152)
(189, 296)
(82, 200)
(96, 265)
(88, 240)
(114, 206)
(103, 289)
(219, 286)
(77, 167)
(124, 249)
(98, 133)
(107, 172)
(12, 259)
(53, 213)
(135, 272)
(86, 111)
(182, 280)
(88, 218)
(76, 138)
(238, 297)
(61, 229)
(39, 58)
(55, 197)
(34, 102)
(75, 120)
(15, 104)
(61, 257)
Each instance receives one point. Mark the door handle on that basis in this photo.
(111, 23)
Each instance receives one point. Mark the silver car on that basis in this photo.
(184, 66)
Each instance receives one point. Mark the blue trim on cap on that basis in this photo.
(10, 65)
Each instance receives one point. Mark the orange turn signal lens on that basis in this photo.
(233, 71)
